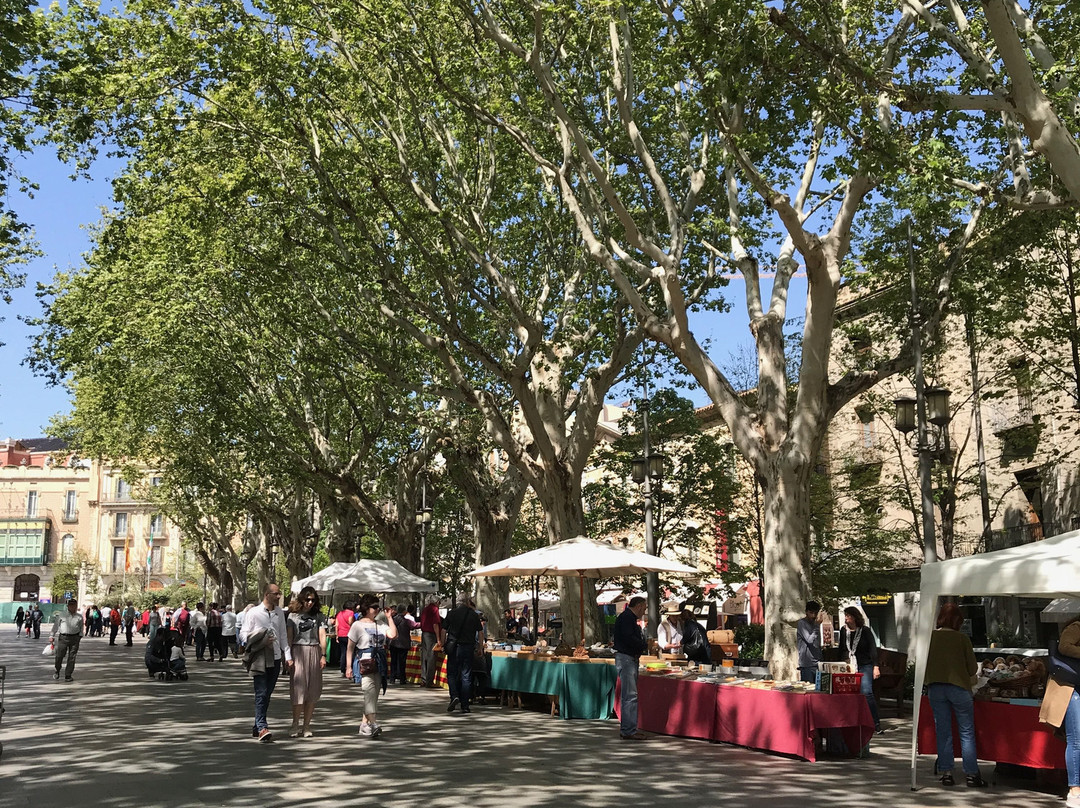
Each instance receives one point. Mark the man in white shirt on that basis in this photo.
(228, 632)
(67, 629)
(266, 617)
(198, 631)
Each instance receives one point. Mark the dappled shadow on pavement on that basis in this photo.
(113, 737)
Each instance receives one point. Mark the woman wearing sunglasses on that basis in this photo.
(307, 637)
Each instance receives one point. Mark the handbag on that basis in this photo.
(369, 665)
(1065, 670)
(449, 644)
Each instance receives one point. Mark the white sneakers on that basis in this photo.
(370, 730)
(1073, 801)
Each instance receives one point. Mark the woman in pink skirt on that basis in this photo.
(307, 637)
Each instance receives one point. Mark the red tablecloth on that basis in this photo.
(1004, 733)
(671, 707)
(761, 719)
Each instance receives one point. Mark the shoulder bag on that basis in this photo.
(369, 665)
(1065, 670)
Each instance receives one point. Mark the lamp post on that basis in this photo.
(645, 468)
(423, 520)
(929, 404)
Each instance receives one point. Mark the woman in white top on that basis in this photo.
(368, 640)
(669, 632)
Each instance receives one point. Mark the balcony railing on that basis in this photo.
(120, 497)
(69, 517)
(1026, 534)
(1013, 419)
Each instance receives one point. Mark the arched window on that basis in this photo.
(67, 547)
(26, 587)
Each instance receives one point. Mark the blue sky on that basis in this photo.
(60, 211)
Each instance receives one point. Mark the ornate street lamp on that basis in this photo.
(423, 521)
(929, 405)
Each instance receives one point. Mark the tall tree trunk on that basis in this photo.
(564, 518)
(787, 558)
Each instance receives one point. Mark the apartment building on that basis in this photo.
(55, 506)
(44, 514)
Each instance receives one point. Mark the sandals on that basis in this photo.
(947, 779)
(976, 781)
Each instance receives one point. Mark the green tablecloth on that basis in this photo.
(585, 689)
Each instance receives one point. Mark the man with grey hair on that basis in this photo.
(461, 627)
(431, 632)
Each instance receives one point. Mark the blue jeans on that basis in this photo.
(866, 685)
(627, 668)
(459, 673)
(1072, 740)
(264, 688)
(946, 701)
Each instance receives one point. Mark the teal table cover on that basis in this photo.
(585, 689)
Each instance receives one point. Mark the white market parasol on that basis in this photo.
(584, 558)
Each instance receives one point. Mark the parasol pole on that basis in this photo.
(581, 592)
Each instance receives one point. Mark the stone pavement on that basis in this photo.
(115, 738)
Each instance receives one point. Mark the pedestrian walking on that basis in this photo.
(950, 664)
(342, 622)
(228, 631)
(307, 638)
(67, 632)
(88, 620)
(128, 617)
(1061, 704)
(266, 645)
(213, 633)
(367, 659)
(460, 630)
(20, 618)
(197, 623)
(629, 645)
(431, 632)
(36, 616)
(400, 645)
(154, 621)
(114, 623)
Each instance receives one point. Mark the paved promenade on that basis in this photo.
(113, 738)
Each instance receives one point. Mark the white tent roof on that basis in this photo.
(366, 575)
(1044, 569)
(583, 557)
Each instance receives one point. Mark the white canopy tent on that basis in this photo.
(366, 575)
(1043, 569)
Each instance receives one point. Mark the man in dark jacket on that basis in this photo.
(400, 645)
(461, 626)
(629, 645)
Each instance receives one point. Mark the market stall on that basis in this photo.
(367, 575)
(413, 667)
(585, 687)
(1049, 568)
(1004, 733)
(787, 722)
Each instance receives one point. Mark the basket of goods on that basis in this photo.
(1012, 680)
(563, 649)
(846, 683)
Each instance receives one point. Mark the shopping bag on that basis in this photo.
(48, 649)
